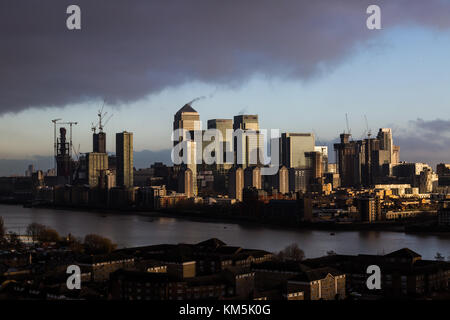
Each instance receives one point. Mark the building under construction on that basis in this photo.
(63, 157)
(360, 163)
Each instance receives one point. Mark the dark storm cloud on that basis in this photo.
(129, 49)
(438, 126)
(425, 141)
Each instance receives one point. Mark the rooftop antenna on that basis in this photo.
(348, 126)
(369, 132)
(346, 122)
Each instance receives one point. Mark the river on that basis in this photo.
(130, 229)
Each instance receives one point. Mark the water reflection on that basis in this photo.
(133, 230)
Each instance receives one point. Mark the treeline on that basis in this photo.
(44, 235)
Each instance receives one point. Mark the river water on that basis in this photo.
(129, 229)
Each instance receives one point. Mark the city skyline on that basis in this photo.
(397, 77)
(147, 157)
(225, 157)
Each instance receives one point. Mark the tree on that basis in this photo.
(48, 235)
(14, 240)
(42, 233)
(34, 230)
(439, 257)
(75, 244)
(2, 230)
(95, 244)
(291, 252)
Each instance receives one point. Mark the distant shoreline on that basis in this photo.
(192, 215)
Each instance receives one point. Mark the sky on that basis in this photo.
(300, 65)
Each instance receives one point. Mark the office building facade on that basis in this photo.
(124, 159)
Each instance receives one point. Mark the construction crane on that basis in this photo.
(55, 145)
(101, 122)
(102, 125)
(77, 152)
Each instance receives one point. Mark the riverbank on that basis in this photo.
(426, 228)
(130, 229)
(226, 217)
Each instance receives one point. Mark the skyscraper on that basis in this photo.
(252, 177)
(97, 163)
(99, 142)
(348, 160)
(223, 125)
(282, 180)
(236, 183)
(317, 164)
(324, 151)
(189, 120)
(363, 162)
(248, 142)
(246, 122)
(185, 182)
(293, 147)
(124, 154)
(63, 158)
(386, 143)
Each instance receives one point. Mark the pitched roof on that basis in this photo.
(186, 108)
(213, 243)
(404, 253)
(317, 274)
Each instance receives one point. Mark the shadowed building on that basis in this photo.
(252, 177)
(99, 142)
(317, 165)
(63, 158)
(299, 179)
(364, 162)
(96, 164)
(348, 161)
(281, 180)
(369, 209)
